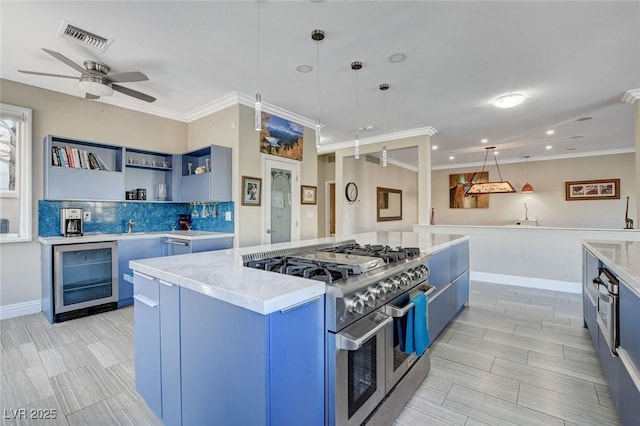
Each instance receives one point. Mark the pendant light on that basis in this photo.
(383, 88)
(258, 105)
(318, 36)
(501, 187)
(527, 188)
(356, 66)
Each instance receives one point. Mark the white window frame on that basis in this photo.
(23, 175)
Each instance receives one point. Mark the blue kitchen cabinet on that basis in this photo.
(439, 312)
(148, 169)
(629, 398)
(132, 250)
(173, 246)
(459, 259)
(629, 323)
(611, 366)
(212, 185)
(77, 183)
(157, 346)
(147, 342)
(440, 268)
(459, 292)
(243, 368)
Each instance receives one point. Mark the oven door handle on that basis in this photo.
(398, 312)
(608, 299)
(346, 342)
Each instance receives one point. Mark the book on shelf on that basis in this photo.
(55, 160)
(93, 162)
(76, 158)
(63, 156)
(102, 164)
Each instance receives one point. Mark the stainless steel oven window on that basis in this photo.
(363, 375)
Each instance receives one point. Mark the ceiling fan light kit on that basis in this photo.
(509, 100)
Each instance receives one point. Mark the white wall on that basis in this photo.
(547, 204)
(74, 117)
(361, 215)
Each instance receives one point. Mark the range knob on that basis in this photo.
(368, 299)
(414, 274)
(378, 291)
(406, 279)
(354, 305)
(425, 270)
(391, 285)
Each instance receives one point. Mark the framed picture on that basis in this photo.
(251, 191)
(389, 206)
(605, 189)
(308, 194)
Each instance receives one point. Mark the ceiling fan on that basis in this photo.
(95, 79)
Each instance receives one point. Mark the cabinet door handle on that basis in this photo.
(177, 243)
(146, 277)
(145, 301)
(168, 284)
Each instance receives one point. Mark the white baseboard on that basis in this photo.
(20, 309)
(567, 286)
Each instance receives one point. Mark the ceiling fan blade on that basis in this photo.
(64, 59)
(127, 77)
(133, 93)
(90, 96)
(46, 74)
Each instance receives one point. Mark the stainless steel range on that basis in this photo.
(368, 295)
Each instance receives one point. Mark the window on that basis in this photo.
(15, 174)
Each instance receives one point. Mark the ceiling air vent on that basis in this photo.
(70, 31)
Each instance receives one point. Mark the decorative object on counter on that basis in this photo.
(208, 164)
(603, 189)
(130, 195)
(184, 222)
(166, 164)
(526, 212)
(499, 187)
(308, 194)
(458, 186)
(200, 170)
(628, 222)
(281, 137)
(141, 194)
(251, 191)
(389, 204)
(527, 188)
(190, 166)
(432, 221)
(71, 222)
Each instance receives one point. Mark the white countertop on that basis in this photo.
(221, 274)
(95, 238)
(622, 257)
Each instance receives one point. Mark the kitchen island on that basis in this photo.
(612, 315)
(219, 343)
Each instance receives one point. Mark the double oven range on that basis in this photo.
(368, 295)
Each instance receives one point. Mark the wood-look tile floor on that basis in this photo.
(515, 356)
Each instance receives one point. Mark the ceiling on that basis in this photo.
(571, 59)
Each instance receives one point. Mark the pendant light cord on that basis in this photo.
(258, 71)
(491, 148)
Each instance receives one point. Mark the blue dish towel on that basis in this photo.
(417, 332)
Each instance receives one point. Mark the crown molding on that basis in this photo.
(142, 107)
(402, 164)
(541, 158)
(631, 96)
(250, 101)
(421, 131)
(212, 107)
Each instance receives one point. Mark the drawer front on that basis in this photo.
(146, 287)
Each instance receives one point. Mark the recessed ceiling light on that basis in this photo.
(366, 128)
(548, 147)
(434, 147)
(508, 100)
(304, 68)
(576, 137)
(397, 57)
(550, 132)
(584, 118)
(451, 157)
(485, 140)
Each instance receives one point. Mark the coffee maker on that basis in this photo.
(71, 222)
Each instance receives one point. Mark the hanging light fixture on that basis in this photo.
(527, 188)
(258, 105)
(318, 36)
(356, 66)
(383, 88)
(501, 187)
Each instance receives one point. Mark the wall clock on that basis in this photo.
(351, 192)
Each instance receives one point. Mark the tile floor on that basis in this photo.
(515, 356)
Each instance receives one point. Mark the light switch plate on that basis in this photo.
(227, 216)
(86, 216)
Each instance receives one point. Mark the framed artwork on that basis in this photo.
(251, 191)
(604, 189)
(281, 137)
(458, 186)
(389, 206)
(308, 194)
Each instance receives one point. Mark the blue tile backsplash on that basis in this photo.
(109, 217)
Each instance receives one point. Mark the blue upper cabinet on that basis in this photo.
(205, 175)
(82, 170)
(153, 172)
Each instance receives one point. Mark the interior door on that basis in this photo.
(282, 195)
